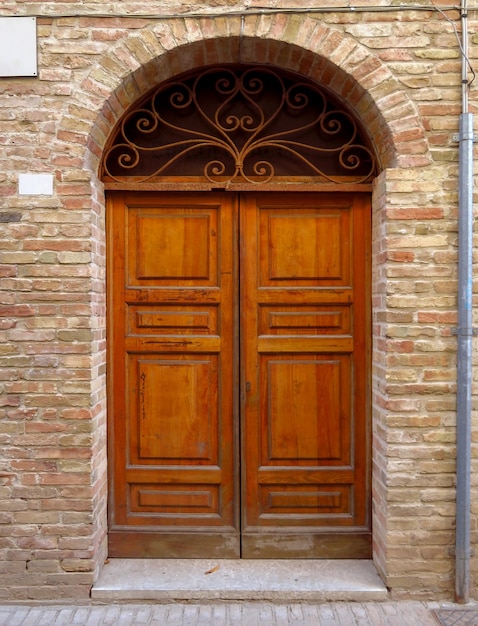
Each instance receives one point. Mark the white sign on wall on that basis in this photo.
(35, 184)
(18, 46)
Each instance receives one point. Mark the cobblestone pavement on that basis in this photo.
(403, 613)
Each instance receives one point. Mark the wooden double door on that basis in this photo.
(238, 375)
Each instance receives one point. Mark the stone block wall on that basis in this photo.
(399, 69)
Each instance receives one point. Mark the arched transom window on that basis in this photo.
(239, 124)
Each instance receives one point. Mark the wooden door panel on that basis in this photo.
(175, 498)
(173, 409)
(173, 320)
(172, 397)
(304, 361)
(306, 404)
(302, 246)
(172, 245)
(312, 500)
(318, 320)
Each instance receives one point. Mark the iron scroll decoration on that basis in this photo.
(242, 124)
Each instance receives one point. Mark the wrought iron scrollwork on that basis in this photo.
(239, 124)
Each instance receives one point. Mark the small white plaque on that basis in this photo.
(35, 184)
(18, 46)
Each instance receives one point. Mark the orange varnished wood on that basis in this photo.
(171, 282)
(179, 297)
(304, 363)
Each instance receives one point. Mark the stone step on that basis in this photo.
(166, 580)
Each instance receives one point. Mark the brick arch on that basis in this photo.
(162, 50)
(300, 44)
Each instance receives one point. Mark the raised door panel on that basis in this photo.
(173, 408)
(306, 402)
(304, 246)
(304, 362)
(172, 245)
(172, 400)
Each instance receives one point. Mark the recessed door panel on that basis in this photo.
(172, 245)
(173, 409)
(304, 245)
(306, 408)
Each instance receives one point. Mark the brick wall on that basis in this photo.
(414, 378)
(400, 71)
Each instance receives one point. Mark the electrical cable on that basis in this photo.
(262, 10)
(249, 10)
(460, 45)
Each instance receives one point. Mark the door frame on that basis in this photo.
(270, 187)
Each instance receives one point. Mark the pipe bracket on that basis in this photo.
(465, 332)
(456, 138)
(470, 552)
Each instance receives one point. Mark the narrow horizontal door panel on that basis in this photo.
(157, 294)
(176, 544)
(294, 294)
(285, 475)
(312, 501)
(164, 343)
(266, 343)
(174, 475)
(306, 545)
(318, 320)
(166, 499)
(172, 320)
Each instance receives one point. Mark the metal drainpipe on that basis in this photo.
(465, 333)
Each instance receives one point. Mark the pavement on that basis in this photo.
(197, 592)
(261, 613)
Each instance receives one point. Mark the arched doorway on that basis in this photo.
(239, 235)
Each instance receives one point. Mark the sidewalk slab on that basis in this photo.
(251, 580)
(461, 616)
(401, 613)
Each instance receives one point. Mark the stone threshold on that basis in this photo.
(169, 580)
